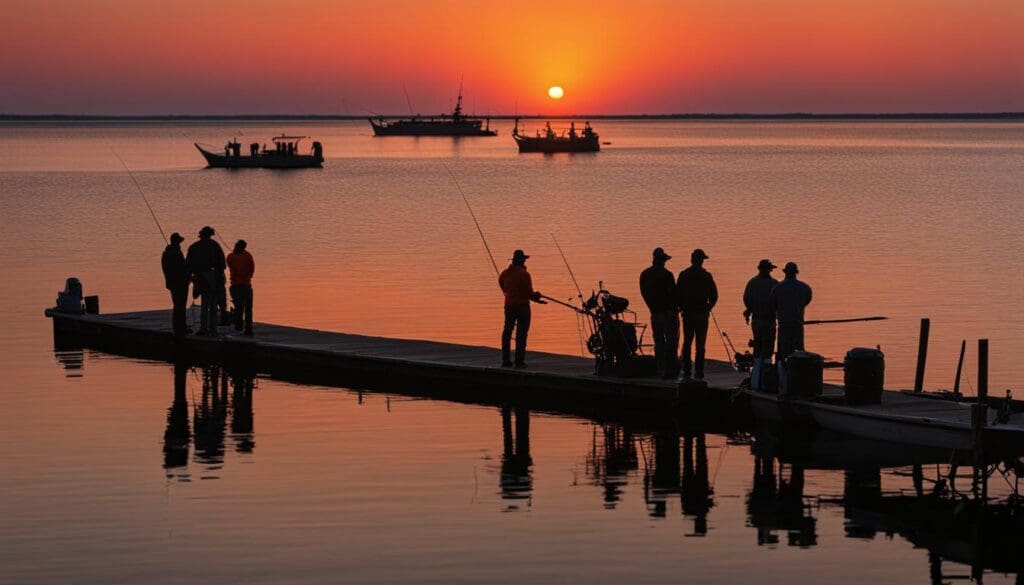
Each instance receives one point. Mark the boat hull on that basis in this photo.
(426, 128)
(555, 145)
(264, 161)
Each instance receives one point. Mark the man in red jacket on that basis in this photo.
(517, 285)
(242, 267)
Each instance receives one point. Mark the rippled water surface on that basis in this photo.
(117, 470)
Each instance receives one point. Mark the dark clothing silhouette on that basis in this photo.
(757, 300)
(241, 296)
(205, 265)
(696, 295)
(658, 288)
(789, 299)
(176, 281)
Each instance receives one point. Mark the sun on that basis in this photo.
(556, 92)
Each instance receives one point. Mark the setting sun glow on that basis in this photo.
(555, 92)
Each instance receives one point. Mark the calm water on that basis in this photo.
(124, 471)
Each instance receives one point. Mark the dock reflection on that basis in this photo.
(224, 395)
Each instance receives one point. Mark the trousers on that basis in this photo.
(516, 317)
(241, 296)
(695, 328)
(665, 328)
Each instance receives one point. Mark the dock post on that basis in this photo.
(959, 367)
(922, 354)
(979, 416)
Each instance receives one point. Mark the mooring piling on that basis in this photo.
(922, 354)
(959, 367)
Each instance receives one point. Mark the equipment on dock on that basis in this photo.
(863, 375)
(69, 300)
(804, 374)
(615, 337)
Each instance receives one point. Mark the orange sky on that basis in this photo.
(658, 56)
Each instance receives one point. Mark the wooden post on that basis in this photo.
(959, 367)
(982, 369)
(922, 354)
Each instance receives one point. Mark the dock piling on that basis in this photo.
(959, 367)
(922, 354)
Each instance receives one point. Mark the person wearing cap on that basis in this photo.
(696, 295)
(242, 267)
(176, 280)
(788, 300)
(658, 288)
(204, 262)
(516, 284)
(759, 313)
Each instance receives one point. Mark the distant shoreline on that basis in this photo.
(993, 116)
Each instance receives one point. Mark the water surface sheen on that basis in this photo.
(124, 471)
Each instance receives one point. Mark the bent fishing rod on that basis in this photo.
(849, 320)
(142, 194)
(473, 215)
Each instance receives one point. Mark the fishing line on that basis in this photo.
(473, 215)
(141, 193)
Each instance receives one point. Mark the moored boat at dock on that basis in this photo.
(551, 142)
(284, 155)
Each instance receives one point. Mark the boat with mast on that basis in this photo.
(283, 155)
(454, 124)
(551, 142)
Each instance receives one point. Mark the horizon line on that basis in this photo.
(10, 117)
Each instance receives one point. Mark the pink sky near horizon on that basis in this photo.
(647, 56)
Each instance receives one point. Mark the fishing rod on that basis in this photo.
(567, 267)
(850, 320)
(141, 193)
(473, 215)
(722, 336)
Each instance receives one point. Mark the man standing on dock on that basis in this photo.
(696, 295)
(517, 285)
(176, 281)
(758, 312)
(658, 288)
(242, 267)
(204, 261)
(788, 300)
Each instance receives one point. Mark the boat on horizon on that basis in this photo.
(284, 155)
(454, 124)
(551, 142)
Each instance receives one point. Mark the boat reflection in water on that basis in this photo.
(205, 435)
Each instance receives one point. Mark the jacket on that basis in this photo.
(756, 297)
(204, 255)
(696, 291)
(788, 300)
(173, 263)
(658, 288)
(242, 267)
(517, 285)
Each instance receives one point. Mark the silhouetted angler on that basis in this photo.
(759, 313)
(205, 265)
(696, 295)
(176, 280)
(517, 285)
(788, 299)
(242, 267)
(658, 288)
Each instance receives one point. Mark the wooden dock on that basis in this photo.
(285, 352)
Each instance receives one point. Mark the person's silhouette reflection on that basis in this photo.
(210, 418)
(177, 435)
(242, 385)
(697, 493)
(516, 478)
(664, 479)
(776, 503)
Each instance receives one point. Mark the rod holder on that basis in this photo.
(922, 354)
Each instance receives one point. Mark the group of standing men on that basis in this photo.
(694, 294)
(203, 267)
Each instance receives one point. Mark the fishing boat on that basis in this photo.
(455, 124)
(550, 142)
(284, 154)
(899, 417)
